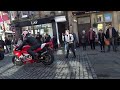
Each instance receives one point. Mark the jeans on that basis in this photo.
(84, 46)
(31, 50)
(70, 46)
(113, 43)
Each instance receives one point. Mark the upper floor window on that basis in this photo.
(100, 18)
(108, 17)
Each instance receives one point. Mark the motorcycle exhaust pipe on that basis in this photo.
(44, 53)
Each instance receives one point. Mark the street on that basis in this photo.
(89, 64)
(79, 68)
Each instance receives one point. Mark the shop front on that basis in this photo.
(104, 19)
(42, 26)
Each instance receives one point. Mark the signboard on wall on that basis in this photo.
(60, 19)
(108, 17)
(83, 20)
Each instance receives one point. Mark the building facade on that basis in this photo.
(84, 20)
(51, 22)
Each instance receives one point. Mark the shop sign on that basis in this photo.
(60, 19)
(34, 22)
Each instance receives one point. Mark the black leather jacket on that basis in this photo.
(29, 40)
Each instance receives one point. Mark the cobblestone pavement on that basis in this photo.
(79, 68)
(106, 65)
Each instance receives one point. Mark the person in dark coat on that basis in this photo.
(83, 39)
(75, 40)
(91, 38)
(2, 43)
(101, 39)
(8, 44)
(39, 37)
(47, 38)
(55, 42)
(111, 35)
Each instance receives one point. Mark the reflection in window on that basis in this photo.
(99, 18)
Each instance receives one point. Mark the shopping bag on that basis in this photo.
(107, 42)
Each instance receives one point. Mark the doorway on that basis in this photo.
(61, 29)
(82, 27)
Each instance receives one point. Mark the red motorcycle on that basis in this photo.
(45, 55)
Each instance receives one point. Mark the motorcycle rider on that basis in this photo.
(29, 40)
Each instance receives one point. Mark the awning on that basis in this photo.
(35, 22)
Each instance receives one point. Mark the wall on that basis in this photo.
(115, 20)
(72, 24)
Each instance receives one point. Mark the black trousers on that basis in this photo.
(31, 50)
(92, 44)
(84, 46)
(70, 46)
(102, 45)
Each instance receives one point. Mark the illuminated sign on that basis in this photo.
(60, 19)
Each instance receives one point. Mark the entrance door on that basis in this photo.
(61, 29)
(82, 27)
(83, 24)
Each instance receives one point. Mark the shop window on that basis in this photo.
(100, 26)
(99, 18)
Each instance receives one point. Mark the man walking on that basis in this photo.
(91, 37)
(70, 43)
(111, 35)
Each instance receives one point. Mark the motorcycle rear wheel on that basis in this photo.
(49, 58)
(15, 62)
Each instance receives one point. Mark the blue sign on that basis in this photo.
(108, 17)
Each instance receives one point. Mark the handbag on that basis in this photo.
(107, 42)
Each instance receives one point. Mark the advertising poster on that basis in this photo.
(108, 17)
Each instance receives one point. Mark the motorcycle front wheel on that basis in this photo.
(48, 59)
(16, 61)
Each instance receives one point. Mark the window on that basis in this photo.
(108, 17)
(99, 18)
(24, 14)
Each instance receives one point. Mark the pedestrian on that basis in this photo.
(111, 35)
(2, 43)
(64, 42)
(83, 39)
(75, 40)
(39, 37)
(8, 45)
(55, 42)
(70, 43)
(101, 40)
(91, 37)
(20, 41)
(47, 38)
